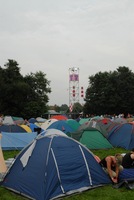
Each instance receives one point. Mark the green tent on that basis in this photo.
(92, 139)
(73, 124)
(83, 120)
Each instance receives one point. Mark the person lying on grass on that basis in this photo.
(112, 166)
(128, 160)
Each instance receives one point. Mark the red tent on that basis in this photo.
(59, 117)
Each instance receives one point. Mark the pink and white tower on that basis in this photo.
(73, 86)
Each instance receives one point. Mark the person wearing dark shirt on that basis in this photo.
(128, 160)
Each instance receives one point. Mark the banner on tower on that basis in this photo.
(74, 77)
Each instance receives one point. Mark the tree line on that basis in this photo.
(110, 92)
(27, 96)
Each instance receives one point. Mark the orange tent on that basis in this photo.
(59, 117)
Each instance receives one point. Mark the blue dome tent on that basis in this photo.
(53, 166)
(122, 136)
(62, 126)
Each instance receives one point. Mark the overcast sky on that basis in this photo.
(54, 35)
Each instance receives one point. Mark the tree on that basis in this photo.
(77, 108)
(110, 92)
(23, 96)
(13, 89)
(60, 109)
(64, 108)
(37, 98)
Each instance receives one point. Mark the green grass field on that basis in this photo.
(101, 193)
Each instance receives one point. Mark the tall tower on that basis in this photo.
(73, 86)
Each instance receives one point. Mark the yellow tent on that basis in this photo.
(26, 128)
(3, 167)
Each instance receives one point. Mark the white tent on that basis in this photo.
(8, 120)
